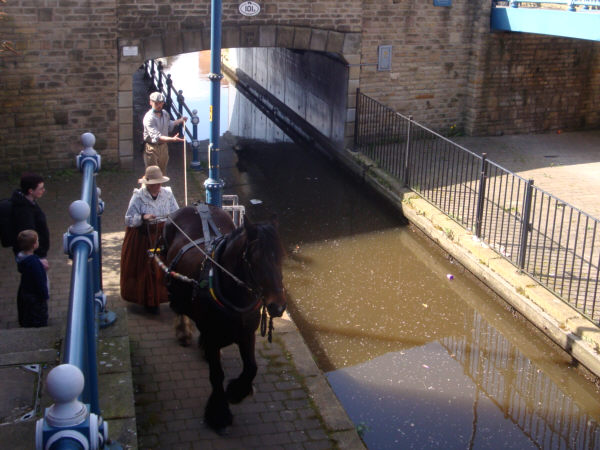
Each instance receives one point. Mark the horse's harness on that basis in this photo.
(214, 244)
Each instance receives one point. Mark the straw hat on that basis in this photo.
(153, 175)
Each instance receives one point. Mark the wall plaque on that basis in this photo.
(442, 2)
(249, 8)
(384, 60)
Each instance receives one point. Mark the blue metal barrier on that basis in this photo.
(74, 421)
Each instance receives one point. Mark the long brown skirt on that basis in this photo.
(142, 282)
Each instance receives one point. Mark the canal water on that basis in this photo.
(420, 354)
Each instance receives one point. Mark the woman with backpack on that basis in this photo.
(27, 214)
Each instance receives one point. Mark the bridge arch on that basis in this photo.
(346, 45)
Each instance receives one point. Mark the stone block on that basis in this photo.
(335, 42)
(249, 36)
(172, 44)
(113, 355)
(192, 40)
(125, 82)
(285, 36)
(126, 150)
(352, 44)
(152, 47)
(126, 115)
(267, 36)
(231, 37)
(125, 131)
(117, 395)
(301, 38)
(318, 40)
(125, 99)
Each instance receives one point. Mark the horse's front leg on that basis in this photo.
(183, 330)
(217, 414)
(239, 388)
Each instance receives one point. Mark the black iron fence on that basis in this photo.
(551, 240)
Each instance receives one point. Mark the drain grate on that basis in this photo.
(19, 392)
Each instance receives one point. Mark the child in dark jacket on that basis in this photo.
(32, 298)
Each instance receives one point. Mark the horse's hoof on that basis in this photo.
(217, 414)
(237, 391)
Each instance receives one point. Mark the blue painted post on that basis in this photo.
(213, 183)
(195, 144)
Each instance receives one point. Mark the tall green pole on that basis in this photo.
(213, 183)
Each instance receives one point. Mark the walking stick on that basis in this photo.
(184, 170)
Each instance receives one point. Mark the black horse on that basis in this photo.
(229, 288)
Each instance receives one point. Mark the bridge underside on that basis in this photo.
(579, 25)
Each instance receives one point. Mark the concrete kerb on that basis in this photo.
(565, 326)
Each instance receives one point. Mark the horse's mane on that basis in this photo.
(265, 236)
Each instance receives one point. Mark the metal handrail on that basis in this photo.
(70, 423)
(571, 4)
(154, 71)
(549, 239)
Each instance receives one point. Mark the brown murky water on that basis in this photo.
(419, 354)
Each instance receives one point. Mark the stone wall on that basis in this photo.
(62, 82)
(534, 83)
(76, 60)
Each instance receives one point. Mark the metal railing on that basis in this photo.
(175, 105)
(69, 422)
(571, 5)
(549, 239)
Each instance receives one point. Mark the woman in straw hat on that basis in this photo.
(141, 281)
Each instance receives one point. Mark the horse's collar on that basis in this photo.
(214, 284)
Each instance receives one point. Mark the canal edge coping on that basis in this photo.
(564, 325)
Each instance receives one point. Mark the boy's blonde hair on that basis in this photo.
(26, 240)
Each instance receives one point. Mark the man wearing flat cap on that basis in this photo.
(157, 126)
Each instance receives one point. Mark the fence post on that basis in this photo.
(180, 100)
(481, 196)
(195, 143)
(356, 116)
(525, 223)
(152, 72)
(160, 77)
(169, 101)
(405, 171)
(68, 423)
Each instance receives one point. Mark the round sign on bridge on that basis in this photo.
(249, 8)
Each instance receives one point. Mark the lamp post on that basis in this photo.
(213, 183)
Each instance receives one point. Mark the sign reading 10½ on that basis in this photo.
(249, 8)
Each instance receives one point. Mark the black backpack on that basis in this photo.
(7, 231)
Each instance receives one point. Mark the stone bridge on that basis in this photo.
(73, 60)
